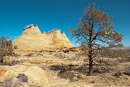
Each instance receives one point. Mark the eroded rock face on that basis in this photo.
(22, 76)
(32, 38)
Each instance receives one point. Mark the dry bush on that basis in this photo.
(127, 71)
(115, 53)
(118, 74)
(22, 78)
(66, 74)
(6, 48)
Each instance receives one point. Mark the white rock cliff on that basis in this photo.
(33, 39)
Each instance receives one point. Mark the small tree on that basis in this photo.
(95, 31)
(6, 48)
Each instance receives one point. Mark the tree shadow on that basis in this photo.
(80, 69)
(83, 69)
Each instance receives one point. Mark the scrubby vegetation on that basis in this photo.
(22, 78)
(66, 74)
(6, 48)
(118, 74)
(116, 53)
(127, 70)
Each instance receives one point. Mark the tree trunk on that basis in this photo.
(1, 60)
(90, 49)
(90, 63)
(2, 52)
(2, 56)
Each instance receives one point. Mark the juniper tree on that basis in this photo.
(95, 31)
(6, 48)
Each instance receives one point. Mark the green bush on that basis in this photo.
(118, 74)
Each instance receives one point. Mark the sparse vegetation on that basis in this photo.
(6, 83)
(118, 74)
(95, 57)
(127, 71)
(66, 74)
(61, 55)
(13, 62)
(22, 78)
(6, 47)
(115, 53)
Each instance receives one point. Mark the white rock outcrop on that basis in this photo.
(32, 38)
(22, 76)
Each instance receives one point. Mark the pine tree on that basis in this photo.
(95, 31)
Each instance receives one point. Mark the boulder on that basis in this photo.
(22, 76)
(3, 70)
(36, 76)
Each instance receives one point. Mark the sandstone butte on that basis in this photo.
(33, 39)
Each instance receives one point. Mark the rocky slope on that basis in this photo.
(33, 39)
(22, 76)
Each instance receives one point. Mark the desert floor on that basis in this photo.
(54, 62)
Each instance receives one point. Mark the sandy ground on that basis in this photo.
(51, 60)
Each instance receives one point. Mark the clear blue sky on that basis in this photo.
(61, 14)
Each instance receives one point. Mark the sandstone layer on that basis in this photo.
(22, 76)
(33, 39)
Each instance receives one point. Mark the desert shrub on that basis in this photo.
(22, 78)
(39, 54)
(104, 66)
(122, 55)
(128, 59)
(127, 71)
(61, 55)
(13, 62)
(10, 83)
(113, 62)
(114, 53)
(78, 56)
(102, 69)
(6, 83)
(68, 75)
(6, 47)
(118, 74)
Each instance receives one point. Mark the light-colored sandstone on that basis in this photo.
(33, 39)
(36, 77)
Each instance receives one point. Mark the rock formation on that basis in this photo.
(33, 39)
(22, 76)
